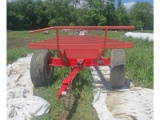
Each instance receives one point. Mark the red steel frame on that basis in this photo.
(79, 51)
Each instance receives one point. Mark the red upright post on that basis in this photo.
(105, 39)
(57, 37)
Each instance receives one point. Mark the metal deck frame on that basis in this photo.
(79, 51)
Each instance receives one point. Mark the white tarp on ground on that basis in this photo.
(134, 103)
(127, 104)
(21, 104)
(143, 36)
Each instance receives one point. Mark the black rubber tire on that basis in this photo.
(41, 73)
(117, 75)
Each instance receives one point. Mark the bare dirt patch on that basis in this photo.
(17, 43)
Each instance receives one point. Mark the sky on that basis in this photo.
(129, 3)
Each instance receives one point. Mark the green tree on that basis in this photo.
(40, 14)
(75, 2)
(20, 15)
(29, 14)
(95, 15)
(141, 15)
(58, 12)
(83, 18)
(110, 12)
(89, 3)
(122, 15)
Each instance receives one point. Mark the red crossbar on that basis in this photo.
(72, 62)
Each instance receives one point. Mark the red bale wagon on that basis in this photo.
(77, 51)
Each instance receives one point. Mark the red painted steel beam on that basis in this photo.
(105, 39)
(67, 81)
(109, 45)
(57, 39)
(97, 27)
(72, 62)
(41, 30)
(84, 28)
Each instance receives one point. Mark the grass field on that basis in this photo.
(139, 68)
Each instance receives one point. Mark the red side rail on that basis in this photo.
(84, 28)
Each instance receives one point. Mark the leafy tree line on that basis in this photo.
(29, 14)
